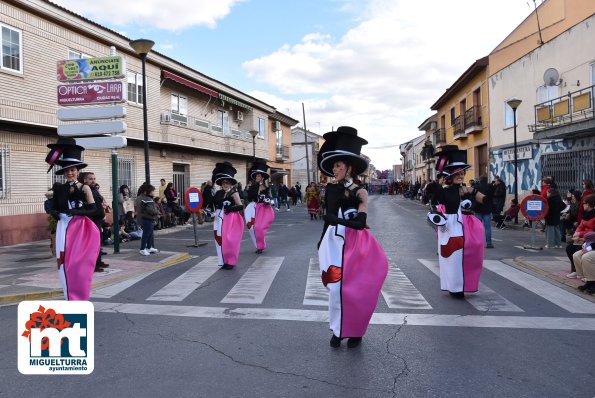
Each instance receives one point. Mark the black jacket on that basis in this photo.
(556, 205)
(488, 190)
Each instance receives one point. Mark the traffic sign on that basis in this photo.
(534, 207)
(71, 70)
(193, 200)
(102, 142)
(91, 93)
(87, 129)
(98, 112)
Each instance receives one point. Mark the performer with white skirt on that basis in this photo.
(228, 224)
(460, 234)
(259, 213)
(77, 237)
(353, 264)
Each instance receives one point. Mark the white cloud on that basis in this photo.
(166, 46)
(175, 15)
(383, 75)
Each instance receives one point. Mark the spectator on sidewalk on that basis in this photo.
(147, 213)
(584, 261)
(585, 226)
(499, 196)
(483, 211)
(545, 186)
(509, 215)
(283, 194)
(552, 219)
(587, 191)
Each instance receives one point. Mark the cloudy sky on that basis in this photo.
(377, 65)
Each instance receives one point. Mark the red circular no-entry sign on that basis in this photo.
(534, 207)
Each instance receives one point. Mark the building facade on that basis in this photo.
(304, 154)
(194, 121)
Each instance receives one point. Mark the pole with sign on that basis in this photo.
(534, 207)
(193, 202)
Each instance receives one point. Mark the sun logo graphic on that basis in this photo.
(56, 337)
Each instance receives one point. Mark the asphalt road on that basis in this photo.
(191, 330)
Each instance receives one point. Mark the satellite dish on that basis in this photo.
(551, 76)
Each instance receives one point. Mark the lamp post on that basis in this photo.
(142, 47)
(514, 104)
(253, 133)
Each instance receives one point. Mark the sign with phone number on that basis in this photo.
(71, 70)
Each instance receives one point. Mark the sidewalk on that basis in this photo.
(28, 271)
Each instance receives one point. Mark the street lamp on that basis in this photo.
(142, 47)
(253, 133)
(514, 104)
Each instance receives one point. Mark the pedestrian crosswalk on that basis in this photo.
(253, 285)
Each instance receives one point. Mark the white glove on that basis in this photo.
(466, 204)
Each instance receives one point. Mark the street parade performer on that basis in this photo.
(259, 212)
(228, 226)
(460, 234)
(77, 236)
(353, 264)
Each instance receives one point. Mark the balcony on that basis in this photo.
(473, 120)
(570, 115)
(440, 136)
(193, 123)
(282, 153)
(427, 152)
(458, 128)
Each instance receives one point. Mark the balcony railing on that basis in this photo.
(282, 152)
(440, 136)
(458, 127)
(427, 152)
(193, 123)
(565, 110)
(473, 119)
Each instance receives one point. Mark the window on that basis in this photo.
(508, 116)
(3, 170)
(223, 122)
(179, 104)
(73, 54)
(279, 141)
(126, 167)
(135, 87)
(452, 116)
(12, 49)
(261, 128)
(546, 93)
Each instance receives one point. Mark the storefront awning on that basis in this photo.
(188, 83)
(234, 101)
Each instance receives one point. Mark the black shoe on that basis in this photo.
(103, 253)
(258, 251)
(354, 342)
(335, 342)
(459, 295)
(102, 265)
(587, 285)
(99, 269)
(227, 266)
(590, 289)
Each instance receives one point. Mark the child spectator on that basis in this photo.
(511, 213)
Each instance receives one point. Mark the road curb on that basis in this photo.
(14, 298)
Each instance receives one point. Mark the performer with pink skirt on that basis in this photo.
(77, 237)
(259, 213)
(460, 234)
(228, 224)
(353, 264)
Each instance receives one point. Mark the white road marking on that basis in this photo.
(560, 297)
(110, 291)
(529, 250)
(189, 281)
(485, 299)
(316, 293)
(281, 314)
(399, 292)
(256, 281)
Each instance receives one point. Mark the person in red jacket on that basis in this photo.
(585, 226)
(545, 186)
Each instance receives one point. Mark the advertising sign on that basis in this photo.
(91, 93)
(534, 207)
(95, 112)
(522, 152)
(87, 129)
(71, 70)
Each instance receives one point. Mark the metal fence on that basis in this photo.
(569, 169)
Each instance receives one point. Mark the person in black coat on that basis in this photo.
(552, 219)
(483, 211)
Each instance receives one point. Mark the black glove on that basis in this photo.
(331, 219)
(55, 214)
(359, 222)
(90, 210)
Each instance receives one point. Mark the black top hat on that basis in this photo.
(71, 155)
(451, 160)
(259, 167)
(224, 171)
(343, 144)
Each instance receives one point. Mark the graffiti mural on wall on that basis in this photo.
(529, 170)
